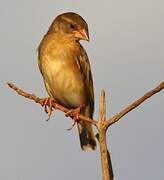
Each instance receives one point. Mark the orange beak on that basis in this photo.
(82, 34)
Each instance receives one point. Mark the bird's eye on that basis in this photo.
(72, 26)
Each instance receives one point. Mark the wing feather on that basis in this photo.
(85, 69)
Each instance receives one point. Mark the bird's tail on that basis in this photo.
(87, 137)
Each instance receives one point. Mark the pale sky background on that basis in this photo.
(126, 51)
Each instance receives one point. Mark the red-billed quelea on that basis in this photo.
(66, 70)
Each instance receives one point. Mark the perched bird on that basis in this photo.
(66, 70)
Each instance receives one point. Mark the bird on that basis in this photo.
(66, 70)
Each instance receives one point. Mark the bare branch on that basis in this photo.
(107, 171)
(54, 104)
(102, 108)
(132, 106)
(102, 125)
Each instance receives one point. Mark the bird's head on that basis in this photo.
(70, 24)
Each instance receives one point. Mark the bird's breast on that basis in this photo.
(63, 78)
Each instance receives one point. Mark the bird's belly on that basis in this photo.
(65, 84)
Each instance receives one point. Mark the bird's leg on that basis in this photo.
(47, 103)
(74, 114)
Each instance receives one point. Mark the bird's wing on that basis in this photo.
(86, 134)
(85, 69)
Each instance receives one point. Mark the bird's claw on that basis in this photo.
(74, 122)
(74, 114)
(47, 103)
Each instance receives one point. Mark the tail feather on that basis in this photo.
(87, 137)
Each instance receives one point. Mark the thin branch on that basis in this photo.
(102, 137)
(111, 175)
(102, 113)
(102, 125)
(54, 104)
(132, 106)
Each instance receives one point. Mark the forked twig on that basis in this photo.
(102, 124)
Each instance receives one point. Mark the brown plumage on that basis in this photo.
(66, 70)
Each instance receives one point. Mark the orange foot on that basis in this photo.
(47, 103)
(74, 114)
